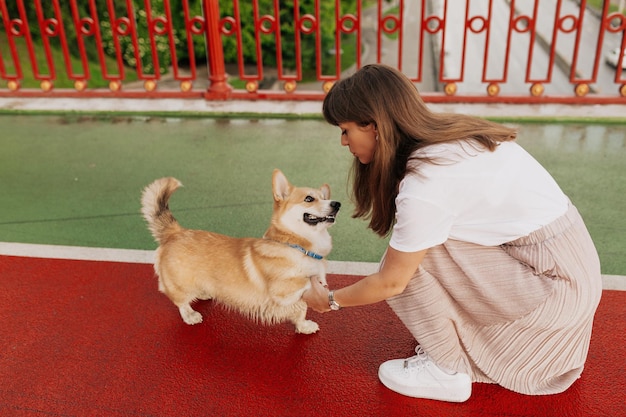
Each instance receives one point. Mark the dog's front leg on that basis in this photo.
(298, 318)
(321, 276)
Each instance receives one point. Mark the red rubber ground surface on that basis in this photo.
(82, 338)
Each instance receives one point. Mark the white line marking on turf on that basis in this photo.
(609, 282)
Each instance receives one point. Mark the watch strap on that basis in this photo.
(334, 305)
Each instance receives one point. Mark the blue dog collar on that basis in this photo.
(306, 252)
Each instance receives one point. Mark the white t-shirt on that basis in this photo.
(474, 195)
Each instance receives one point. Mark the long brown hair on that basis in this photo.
(382, 95)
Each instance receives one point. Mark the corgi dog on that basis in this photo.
(261, 278)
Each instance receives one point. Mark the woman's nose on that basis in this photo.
(344, 140)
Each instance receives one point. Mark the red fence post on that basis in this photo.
(219, 87)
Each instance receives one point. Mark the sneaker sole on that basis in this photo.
(465, 388)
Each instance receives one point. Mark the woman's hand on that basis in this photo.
(317, 296)
(396, 271)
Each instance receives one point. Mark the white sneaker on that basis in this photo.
(420, 377)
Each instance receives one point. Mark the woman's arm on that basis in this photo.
(395, 274)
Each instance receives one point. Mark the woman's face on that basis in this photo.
(361, 140)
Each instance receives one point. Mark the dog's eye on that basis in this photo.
(309, 199)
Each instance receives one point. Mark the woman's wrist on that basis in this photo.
(332, 303)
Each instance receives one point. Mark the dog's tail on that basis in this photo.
(155, 209)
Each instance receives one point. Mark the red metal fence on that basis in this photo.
(472, 51)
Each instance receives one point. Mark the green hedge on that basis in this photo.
(145, 50)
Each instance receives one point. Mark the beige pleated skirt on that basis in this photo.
(519, 315)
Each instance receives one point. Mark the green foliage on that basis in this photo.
(287, 31)
(147, 51)
(181, 33)
(96, 80)
(104, 16)
(144, 55)
(598, 5)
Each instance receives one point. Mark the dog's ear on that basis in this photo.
(280, 185)
(325, 191)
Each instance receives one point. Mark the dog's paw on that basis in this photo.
(307, 327)
(192, 318)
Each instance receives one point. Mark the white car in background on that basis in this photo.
(613, 56)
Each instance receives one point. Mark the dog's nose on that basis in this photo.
(335, 204)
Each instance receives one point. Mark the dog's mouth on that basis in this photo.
(313, 219)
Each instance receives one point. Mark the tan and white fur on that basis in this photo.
(262, 278)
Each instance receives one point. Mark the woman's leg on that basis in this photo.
(490, 313)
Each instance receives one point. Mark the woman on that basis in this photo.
(489, 265)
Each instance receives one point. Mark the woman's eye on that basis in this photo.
(344, 132)
(309, 199)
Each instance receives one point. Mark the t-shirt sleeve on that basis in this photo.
(420, 224)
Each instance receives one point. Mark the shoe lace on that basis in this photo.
(418, 360)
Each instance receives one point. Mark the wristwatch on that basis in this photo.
(334, 305)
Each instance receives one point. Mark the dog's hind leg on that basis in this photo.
(298, 318)
(181, 298)
(161, 286)
(183, 302)
(189, 315)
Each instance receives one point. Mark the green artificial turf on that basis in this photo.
(77, 179)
